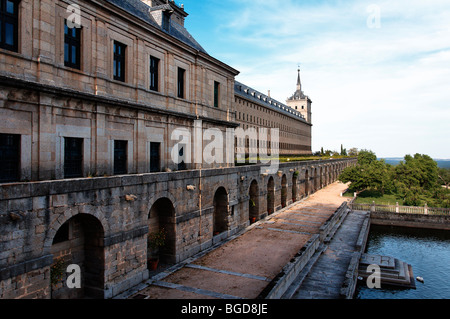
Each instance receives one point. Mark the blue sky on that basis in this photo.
(378, 72)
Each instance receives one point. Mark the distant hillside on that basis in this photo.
(443, 163)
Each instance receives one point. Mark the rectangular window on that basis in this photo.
(9, 158)
(120, 157)
(216, 93)
(155, 158)
(166, 21)
(180, 83)
(73, 157)
(9, 24)
(119, 61)
(181, 164)
(154, 73)
(72, 46)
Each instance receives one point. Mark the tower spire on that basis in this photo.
(299, 84)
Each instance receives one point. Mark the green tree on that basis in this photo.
(416, 180)
(353, 151)
(444, 177)
(366, 157)
(368, 174)
(420, 171)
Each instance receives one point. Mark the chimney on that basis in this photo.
(268, 93)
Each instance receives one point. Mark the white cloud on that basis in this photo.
(384, 89)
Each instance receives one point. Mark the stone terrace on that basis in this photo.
(243, 266)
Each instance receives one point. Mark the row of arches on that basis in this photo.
(313, 179)
(255, 198)
(81, 239)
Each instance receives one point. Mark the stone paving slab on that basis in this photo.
(221, 283)
(236, 268)
(251, 254)
(156, 292)
(382, 261)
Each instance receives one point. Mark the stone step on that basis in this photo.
(400, 275)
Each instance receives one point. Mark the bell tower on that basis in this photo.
(300, 102)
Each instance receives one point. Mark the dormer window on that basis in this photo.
(166, 20)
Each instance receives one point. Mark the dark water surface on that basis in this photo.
(427, 251)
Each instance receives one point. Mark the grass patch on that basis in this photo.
(368, 197)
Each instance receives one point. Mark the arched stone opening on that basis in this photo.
(161, 224)
(79, 241)
(306, 183)
(270, 196)
(316, 180)
(321, 178)
(294, 187)
(253, 203)
(283, 191)
(220, 211)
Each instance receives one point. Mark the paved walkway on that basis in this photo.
(324, 280)
(243, 266)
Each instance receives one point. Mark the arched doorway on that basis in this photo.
(316, 180)
(220, 211)
(270, 196)
(306, 183)
(283, 191)
(79, 241)
(294, 186)
(321, 178)
(161, 242)
(253, 203)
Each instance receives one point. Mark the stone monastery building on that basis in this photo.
(96, 100)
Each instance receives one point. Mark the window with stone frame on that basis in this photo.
(216, 93)
(9, 25)
(9, 158)
(154, 73)
(120, 157)
(72, 46)
(180, 83)
(119, 61)
(73, 157)
(155, 157)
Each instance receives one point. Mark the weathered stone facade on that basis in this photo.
(83, 119)
(257, 110)
(45, 101)
(113, 215)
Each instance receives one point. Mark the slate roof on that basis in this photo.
(141, 10)
(298, 95)
(262, 99)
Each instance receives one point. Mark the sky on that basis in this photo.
(377, 72)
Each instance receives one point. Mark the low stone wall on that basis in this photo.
(328, 229)
(351, 276)
(284, 279)
(411, 220)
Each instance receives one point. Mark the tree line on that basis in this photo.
(415, 181)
